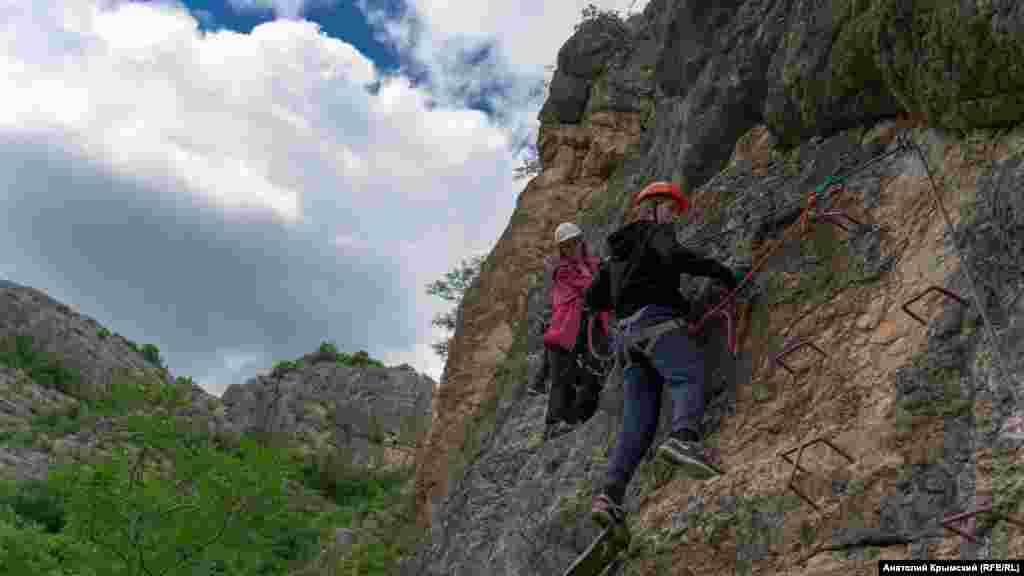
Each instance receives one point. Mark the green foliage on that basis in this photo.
(179, 505)
(761, 392)
(61, 422)
(17, 438)
(27, 549)
(808, 533)
(175, 501)
(712, 527)
(949, 65)
(457, 288)
(1007, 486)
(102, 333)
(856, 488)
(952, 402)
(176, 504)
(510, 372)
(43, 368)
(34, 501)
(599, 96)
(548, 117)
(455, 283)
(357, 491)
(572, 507)
(328, 349)
(152, 355)
(286, 366)
(603, 206)
(360, 359)
(655, 474)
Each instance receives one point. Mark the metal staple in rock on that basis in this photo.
(1003, 367)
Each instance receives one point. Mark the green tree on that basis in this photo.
(176, 505)
(152, 355)
(453, 288)
(328, 349)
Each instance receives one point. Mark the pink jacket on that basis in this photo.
(572, 277)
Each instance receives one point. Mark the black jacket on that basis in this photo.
(650, 259)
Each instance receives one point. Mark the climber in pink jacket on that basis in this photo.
(575, 391)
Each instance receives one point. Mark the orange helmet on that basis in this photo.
(663, 189)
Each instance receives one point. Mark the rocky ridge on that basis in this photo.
(374, 414)
(753, 105)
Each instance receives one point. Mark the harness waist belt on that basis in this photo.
(652, 334)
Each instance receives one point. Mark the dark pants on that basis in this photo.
(575, 392)
(676, 361)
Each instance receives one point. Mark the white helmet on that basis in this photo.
(567, 231)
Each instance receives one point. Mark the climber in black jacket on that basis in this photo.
(641, 283)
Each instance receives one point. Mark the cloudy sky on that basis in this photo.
(236, 181)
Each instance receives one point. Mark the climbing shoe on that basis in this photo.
(605, 511)
(689, 456)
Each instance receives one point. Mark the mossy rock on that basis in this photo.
(600, 96)
(970, 75)
(933, 59)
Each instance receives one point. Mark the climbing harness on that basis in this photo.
(645, 339)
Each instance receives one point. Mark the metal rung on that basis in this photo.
(836, 218)
(796, 464)
(793, 348)
(926, 291)
(948, 521)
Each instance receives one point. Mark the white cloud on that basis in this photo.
(530, 32)
(274, 123)
(488, 50)
(153, 99)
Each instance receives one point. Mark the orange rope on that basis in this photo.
(812, 201)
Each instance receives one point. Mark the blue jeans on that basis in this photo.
(677, 361)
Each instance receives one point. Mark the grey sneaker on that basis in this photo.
(689, 456)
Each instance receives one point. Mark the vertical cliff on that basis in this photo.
(753, 105)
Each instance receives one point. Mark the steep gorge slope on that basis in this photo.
(754, 105)
(317, 404)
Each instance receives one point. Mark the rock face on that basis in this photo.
(579, 159)
(326, 404)
(100, 358)
(369, 412)
(754, 105)
(79, 341)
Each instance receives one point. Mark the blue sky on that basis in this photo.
(342, 20)
(237, 181)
